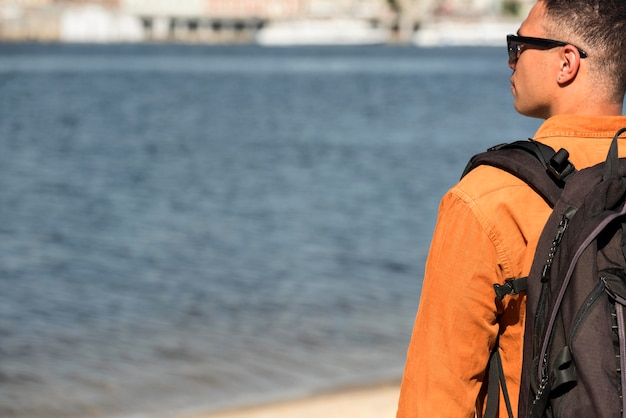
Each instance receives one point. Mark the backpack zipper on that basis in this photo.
(560, 231)
(545, 276)
(619, 326)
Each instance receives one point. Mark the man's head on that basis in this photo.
(584, 71)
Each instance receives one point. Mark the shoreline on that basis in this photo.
(372, 401)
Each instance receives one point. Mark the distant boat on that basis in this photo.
(455, 32)
(321, 32)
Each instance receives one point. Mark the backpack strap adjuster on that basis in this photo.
(559, 166)
(510, 287)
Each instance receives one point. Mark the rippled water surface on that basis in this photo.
(185, 228)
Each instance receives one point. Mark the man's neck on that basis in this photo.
(587, 106)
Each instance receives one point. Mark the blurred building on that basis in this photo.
(240, 20)
(213, 21)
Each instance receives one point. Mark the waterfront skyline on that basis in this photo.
(240, 21)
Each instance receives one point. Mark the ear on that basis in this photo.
(569, 64)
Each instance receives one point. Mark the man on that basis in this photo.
(489, 223)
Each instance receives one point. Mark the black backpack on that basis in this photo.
(575, 336)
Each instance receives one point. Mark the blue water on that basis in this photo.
(188, 228)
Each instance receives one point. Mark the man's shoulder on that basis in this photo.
(487, 183)
(510, 212)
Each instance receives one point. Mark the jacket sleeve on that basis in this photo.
(455, 327)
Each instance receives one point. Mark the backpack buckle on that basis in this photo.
(510, 287)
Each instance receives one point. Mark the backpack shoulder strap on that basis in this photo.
(537, 164)
(496, 381)
(545, 171)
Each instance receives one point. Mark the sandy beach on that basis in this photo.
(378, 401)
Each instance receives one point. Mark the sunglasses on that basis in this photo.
(517, 43)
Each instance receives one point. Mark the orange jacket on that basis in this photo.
(487, 230)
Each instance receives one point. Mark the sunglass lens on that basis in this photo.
(514, 48)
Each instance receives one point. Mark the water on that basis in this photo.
(190, 228)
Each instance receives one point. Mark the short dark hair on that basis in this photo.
(600, 28)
